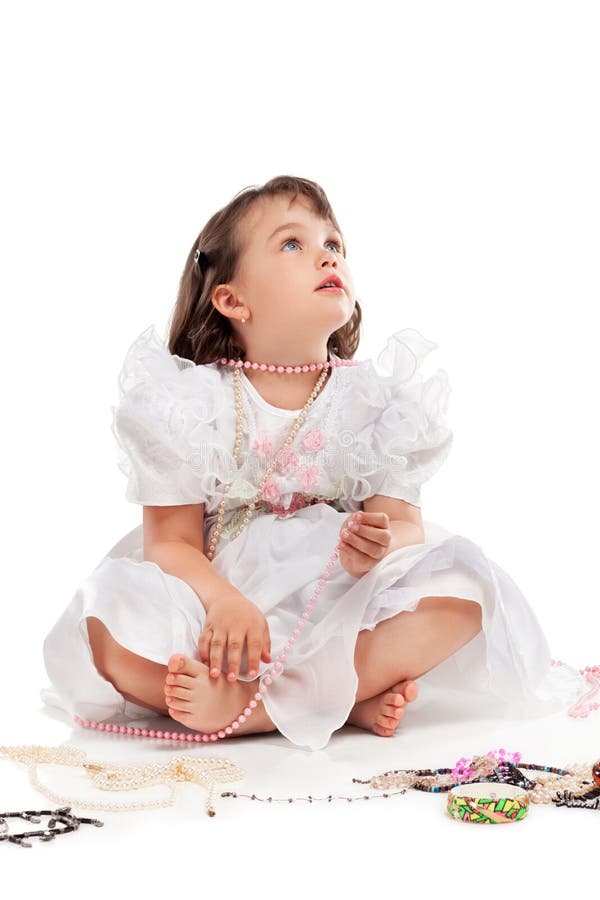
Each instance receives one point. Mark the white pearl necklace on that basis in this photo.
(113, 777)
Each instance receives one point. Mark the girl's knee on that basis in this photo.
(106, 652)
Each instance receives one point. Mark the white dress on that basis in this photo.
(370, 431)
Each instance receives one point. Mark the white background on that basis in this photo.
(458, 143)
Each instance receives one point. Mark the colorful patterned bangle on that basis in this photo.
(487, 803)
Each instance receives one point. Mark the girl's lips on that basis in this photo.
(332, 289)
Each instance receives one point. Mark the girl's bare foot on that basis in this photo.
(382, 713)
(201, 702)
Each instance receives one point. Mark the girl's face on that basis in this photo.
(275, 289)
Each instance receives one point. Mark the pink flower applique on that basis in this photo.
(313, 440)
(309, 477)
(270, 491)
(287, 461)
(264, 447)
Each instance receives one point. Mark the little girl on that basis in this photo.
(257, 444)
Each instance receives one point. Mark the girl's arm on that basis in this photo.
(174, 540)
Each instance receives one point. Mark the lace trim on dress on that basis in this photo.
(167, 426)
(379, 432)
(401, 437)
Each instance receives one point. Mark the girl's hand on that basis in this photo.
(366, 543)
(230, 621)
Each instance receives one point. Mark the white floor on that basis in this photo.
(291, 848)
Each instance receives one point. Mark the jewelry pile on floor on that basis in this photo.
(577, 785)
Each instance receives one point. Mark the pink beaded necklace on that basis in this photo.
(277, 669)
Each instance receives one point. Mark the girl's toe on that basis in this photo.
(386, 721)
(396, 700)
(176, 661)
(383, 732)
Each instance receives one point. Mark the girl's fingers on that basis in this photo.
(375, 533)
(369, 548)
(358, 562)
(204, 647)
(254, 643)
(216, 655)
(235, 645)
(375, 519)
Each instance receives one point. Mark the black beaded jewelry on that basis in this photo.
(567, 798)
(63, 815)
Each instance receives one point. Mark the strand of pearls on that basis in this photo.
(277, 669)
(547, 785)
(116, 777)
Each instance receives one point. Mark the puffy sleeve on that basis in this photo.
(402, 436)
(167, 425)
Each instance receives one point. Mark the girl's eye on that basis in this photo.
(336, 244)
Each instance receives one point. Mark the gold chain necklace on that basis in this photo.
(237, 384)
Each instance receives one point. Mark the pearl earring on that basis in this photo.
(243, 320)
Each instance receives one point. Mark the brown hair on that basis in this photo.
(197, 330)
